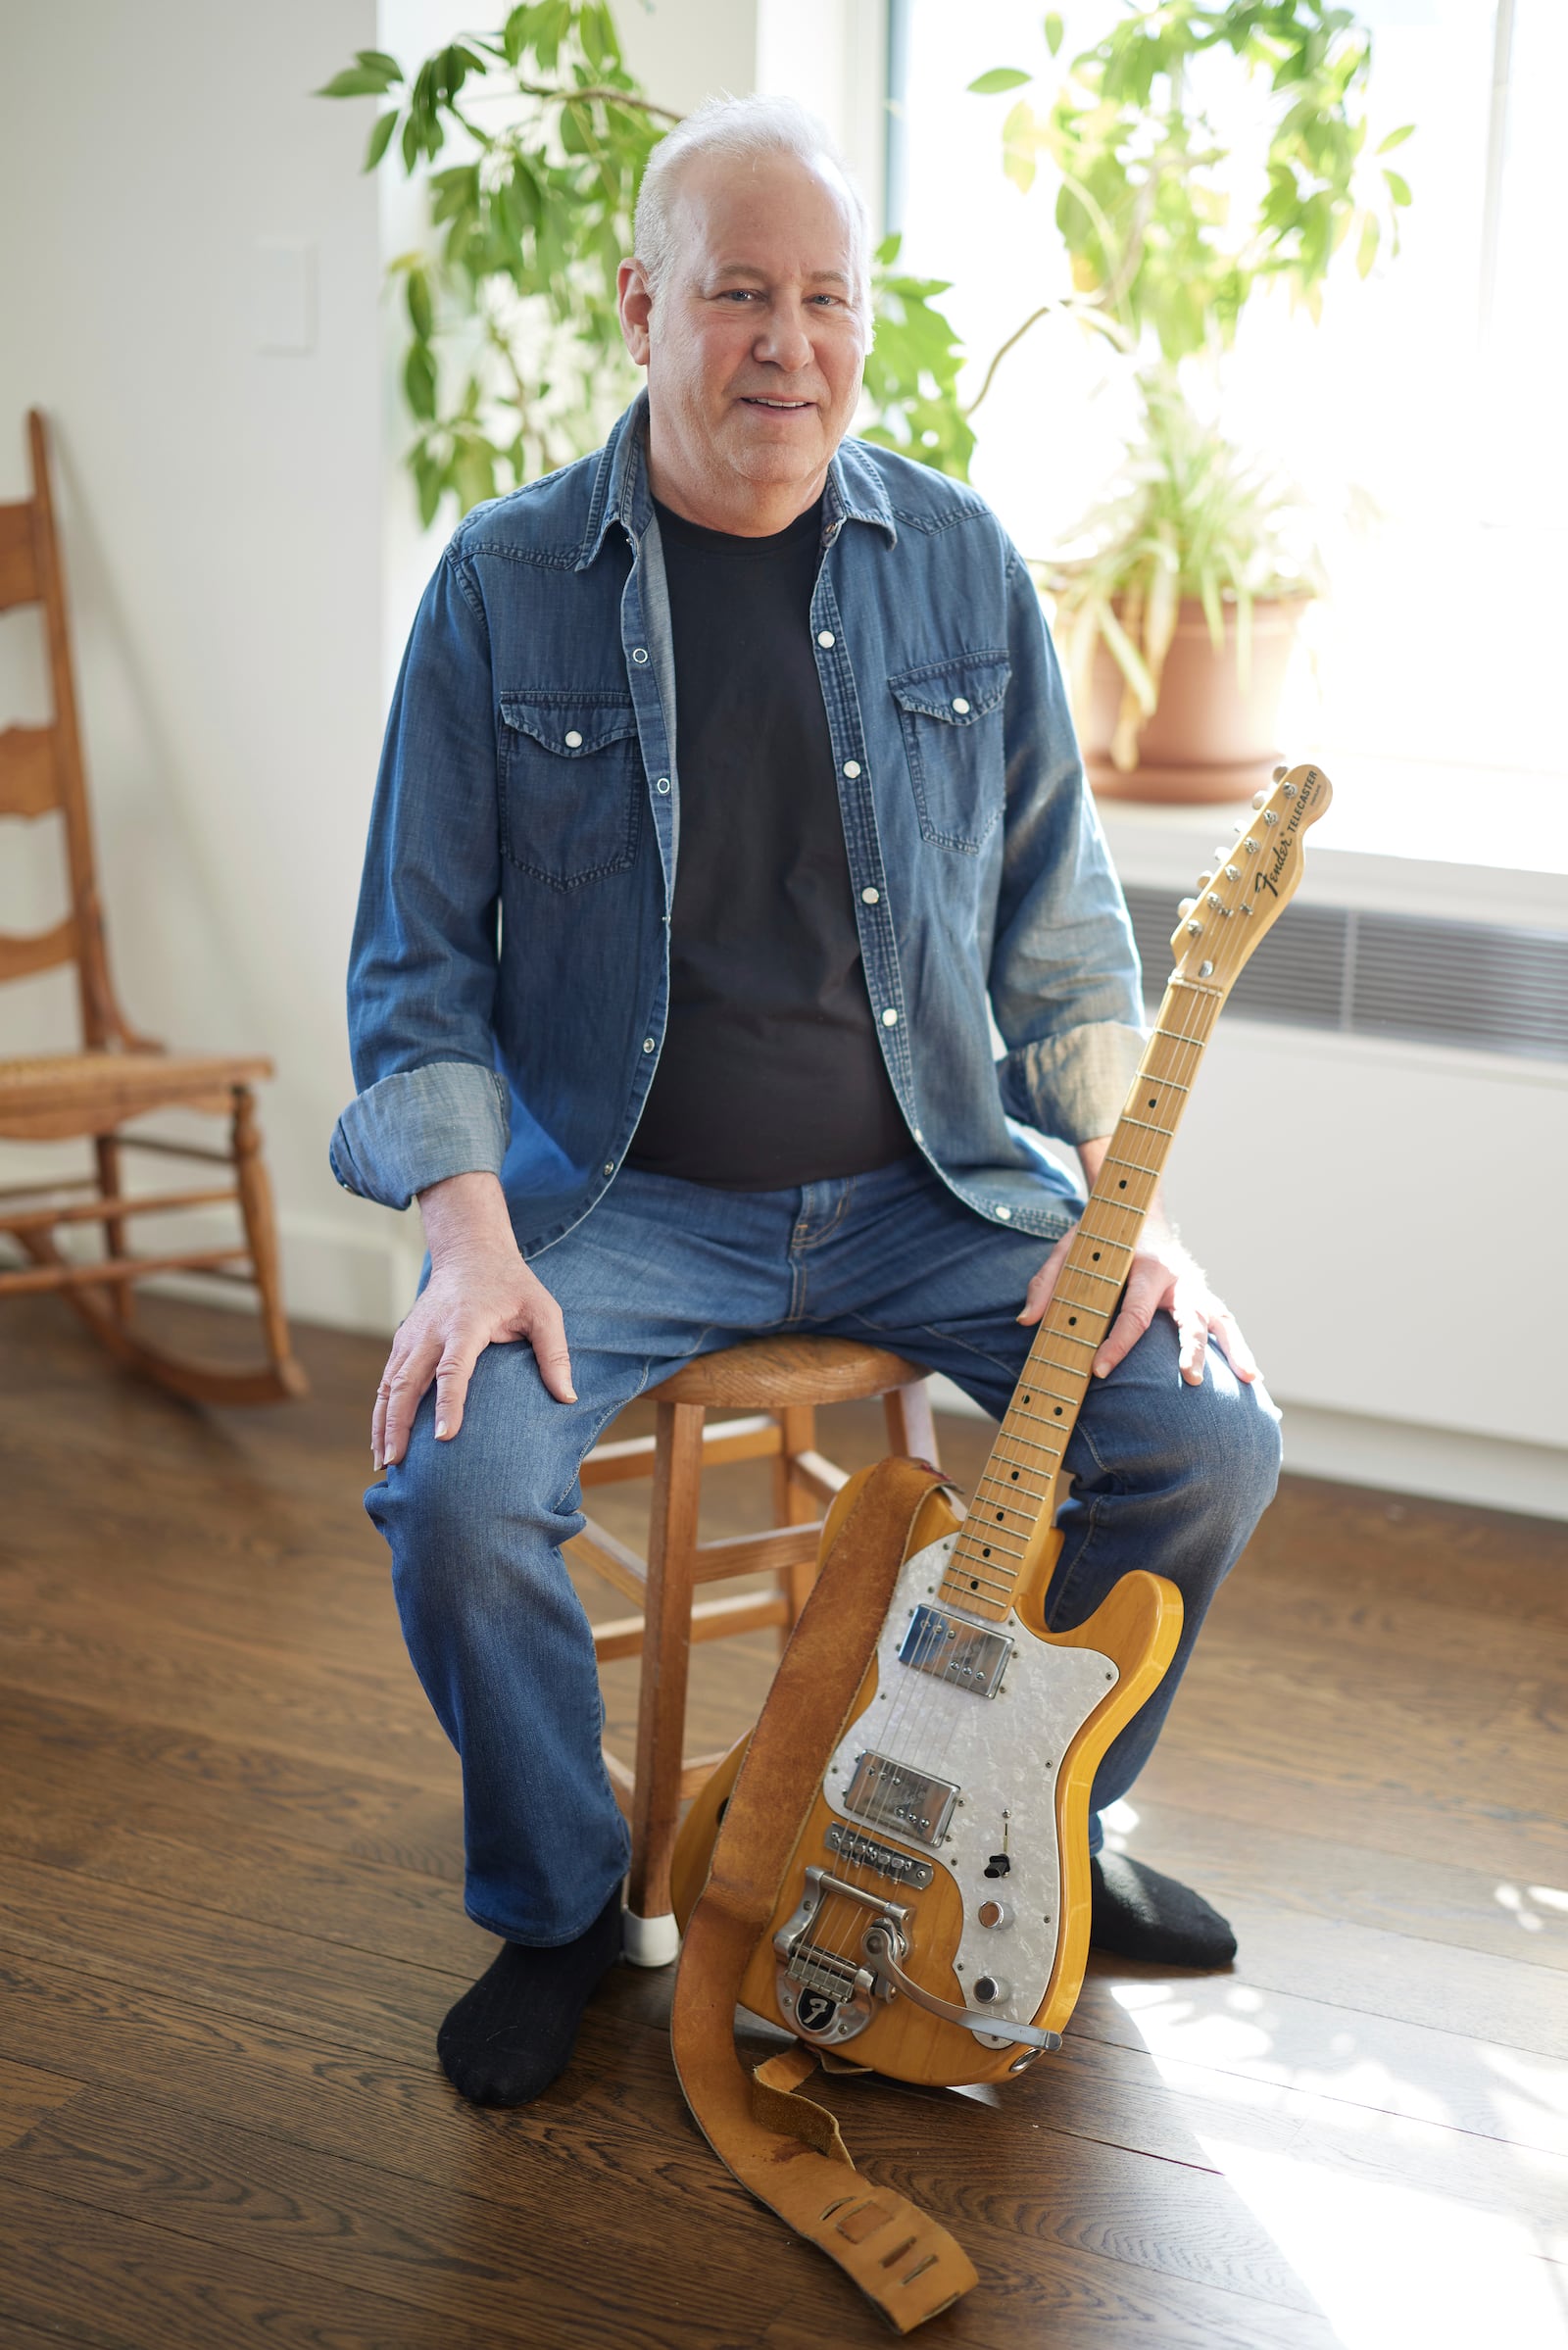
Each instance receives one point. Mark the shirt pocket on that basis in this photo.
(572, 785)
(951, 716)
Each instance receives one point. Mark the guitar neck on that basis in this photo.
(1015, 1499)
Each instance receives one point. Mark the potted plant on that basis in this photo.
(515, 361)
(1179, 599)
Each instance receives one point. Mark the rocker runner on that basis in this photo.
(730, 791)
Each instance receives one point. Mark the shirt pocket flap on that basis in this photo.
(573, 727)
(958, 691)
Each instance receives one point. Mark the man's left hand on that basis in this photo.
(1165, 1275)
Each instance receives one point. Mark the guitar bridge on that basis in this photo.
(823, 1993)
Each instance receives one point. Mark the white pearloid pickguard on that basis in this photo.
(1004, 1753)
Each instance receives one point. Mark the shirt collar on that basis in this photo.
(854, 491)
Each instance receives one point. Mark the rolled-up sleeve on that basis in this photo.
(1063, 978)
(423, 964)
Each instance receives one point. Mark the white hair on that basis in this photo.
(742, 127)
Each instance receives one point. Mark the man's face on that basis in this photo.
(755, 343)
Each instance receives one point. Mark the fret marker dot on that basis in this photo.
(1096, 1257)
(1122, 1186)
(1058, 1411)
(1015, 1475)
(1072, 1321)
(1151, 1101)
(974, 1583)
(984, 1554)
(999, 1515)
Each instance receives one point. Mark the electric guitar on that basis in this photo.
(933, 1921)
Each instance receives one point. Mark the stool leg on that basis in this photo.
(652, 1939)
(793, 1504)
(911, 1430)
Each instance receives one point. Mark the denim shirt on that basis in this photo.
(510, 977)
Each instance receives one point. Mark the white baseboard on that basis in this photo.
(1444, 1464)
(1441, 1464)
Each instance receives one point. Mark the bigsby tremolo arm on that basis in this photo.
(876, 1944)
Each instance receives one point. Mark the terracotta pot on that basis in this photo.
(1207, 740)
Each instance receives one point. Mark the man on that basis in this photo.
(728, 788)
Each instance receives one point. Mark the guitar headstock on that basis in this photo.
(1252, 881)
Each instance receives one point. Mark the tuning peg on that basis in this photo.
(1186, 907)
(1233, 873)
(1240, 825)
(1280, 774)
(1259, 799)
(1203, 880)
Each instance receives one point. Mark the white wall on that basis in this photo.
(221, 508)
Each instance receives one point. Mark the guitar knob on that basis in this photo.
(996, 1913)
(991, 1988)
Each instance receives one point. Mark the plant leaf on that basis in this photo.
(999, 77)
(1399, 187)
(357, 81)
(1054, 29)
(380, 139)
(1396, 139)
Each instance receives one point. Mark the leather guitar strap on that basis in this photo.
(785, 2149)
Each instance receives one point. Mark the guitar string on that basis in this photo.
(916, 1704)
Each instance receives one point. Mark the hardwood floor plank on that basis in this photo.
(1418, 1895)
(1382, 2062)
(75, 2274)
(225, 1787)
(382, 2006)
(25, 2094)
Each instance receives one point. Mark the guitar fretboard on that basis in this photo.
(1020, 1486)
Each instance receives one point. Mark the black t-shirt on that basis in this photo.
(772, 1072)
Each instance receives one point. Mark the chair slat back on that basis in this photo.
(42, 767)
(30, 771)
(19, 570)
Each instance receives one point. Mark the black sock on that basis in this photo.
(509, 2036)
(1139, 1913)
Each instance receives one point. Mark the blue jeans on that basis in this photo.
(1165, 1475)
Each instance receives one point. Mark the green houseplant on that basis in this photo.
(514, 363)
(1179, 598)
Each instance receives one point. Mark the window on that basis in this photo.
(1422, 418)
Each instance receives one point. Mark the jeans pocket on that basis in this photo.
(951, 718)
(573, 785)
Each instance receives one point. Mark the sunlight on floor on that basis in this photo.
(1408, 2217)
(1389, 2265)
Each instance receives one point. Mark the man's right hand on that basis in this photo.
(480, 1293)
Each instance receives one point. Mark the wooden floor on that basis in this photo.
(231, 1922)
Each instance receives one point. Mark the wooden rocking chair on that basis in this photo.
(117, 1076)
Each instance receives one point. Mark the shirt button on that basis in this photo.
(1006, 1213)
(609, 1166)
(851, 767)
(870, 897)
(890, 1018)
(918, 1136)
(648, 1043)
(575, 740)
(639, 656)
(662, 784)
(826, 639)
(960, 706)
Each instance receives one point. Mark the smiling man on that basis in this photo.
(729, 795)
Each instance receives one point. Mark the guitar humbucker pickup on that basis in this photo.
(952, 1650)
(896, 1796)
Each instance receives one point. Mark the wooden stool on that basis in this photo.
(780, 1384)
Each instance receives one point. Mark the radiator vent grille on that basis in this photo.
(1479, 985)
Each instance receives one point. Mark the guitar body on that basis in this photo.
(952, 1816)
